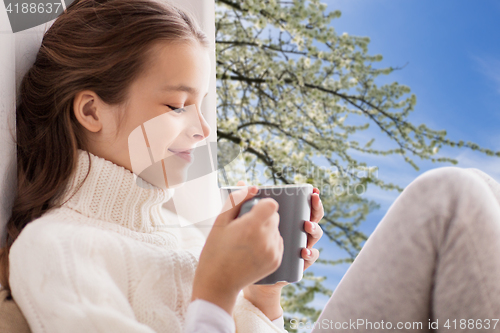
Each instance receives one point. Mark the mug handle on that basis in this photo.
(247, 206)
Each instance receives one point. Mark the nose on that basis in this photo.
(202, 129)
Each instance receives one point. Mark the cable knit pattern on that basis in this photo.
(110, 193)
(110, 260)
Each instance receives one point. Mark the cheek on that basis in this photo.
(160, 133)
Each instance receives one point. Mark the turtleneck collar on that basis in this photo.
(111, 193)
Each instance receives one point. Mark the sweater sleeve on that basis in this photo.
(60, 285)
(279, 322)
(249, 319)
(206, 317)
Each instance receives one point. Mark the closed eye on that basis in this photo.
(176, 110)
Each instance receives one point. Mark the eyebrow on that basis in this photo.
(181, 87)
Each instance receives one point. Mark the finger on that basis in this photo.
(273, 223)
(309, 256)
(280, 246)
(262, 212)
(314, 232)
(240, 183)
(317, 210)
(232, 205)
(281, 284)
(270, 225)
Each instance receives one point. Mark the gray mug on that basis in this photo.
(294, 208)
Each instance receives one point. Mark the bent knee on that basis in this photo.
(447, 173)
(449, 181)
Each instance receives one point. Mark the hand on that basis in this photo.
(313, 230)
(238, 251)
(267, 297)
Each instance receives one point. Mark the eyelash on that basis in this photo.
(174, 109)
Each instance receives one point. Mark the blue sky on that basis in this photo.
(451, 50)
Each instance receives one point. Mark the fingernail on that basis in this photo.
(308, 252)
(313, 225)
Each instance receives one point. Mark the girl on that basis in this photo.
(87, 248)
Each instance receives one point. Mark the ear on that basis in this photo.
(88, 108)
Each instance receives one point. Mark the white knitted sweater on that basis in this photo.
(111, 260)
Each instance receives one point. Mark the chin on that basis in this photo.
(164, 178)
(178, 181)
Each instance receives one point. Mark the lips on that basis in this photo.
(183, 153)
(180, 150)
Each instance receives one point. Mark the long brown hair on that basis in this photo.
(97, 45)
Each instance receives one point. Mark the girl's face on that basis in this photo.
(177, 76)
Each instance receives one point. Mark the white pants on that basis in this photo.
(431, 265)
